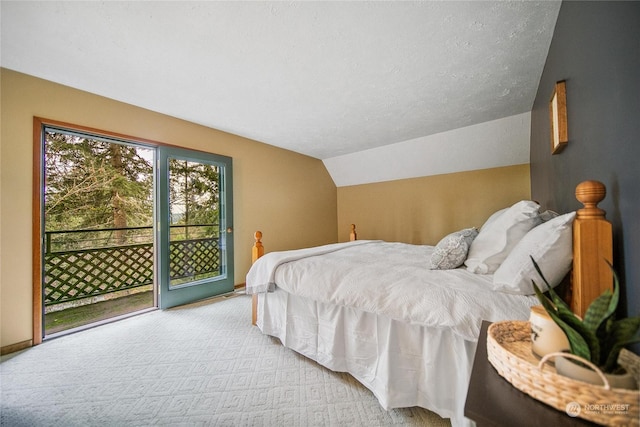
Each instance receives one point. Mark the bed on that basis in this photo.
(404, 319)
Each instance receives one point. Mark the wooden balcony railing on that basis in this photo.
(81, 272)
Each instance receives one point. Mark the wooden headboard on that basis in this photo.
(592, 249)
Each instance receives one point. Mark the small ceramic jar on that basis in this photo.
(546, 335)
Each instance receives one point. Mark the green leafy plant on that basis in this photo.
(598, 337)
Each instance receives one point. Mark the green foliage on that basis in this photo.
(87, 179)
(194, 192)
(599, 337)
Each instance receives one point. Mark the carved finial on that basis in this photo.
(257, 250)
(353, 235)
(590, 193)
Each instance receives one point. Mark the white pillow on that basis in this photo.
(451, 251)
(551, 245)
(499, 235)
(494, 216)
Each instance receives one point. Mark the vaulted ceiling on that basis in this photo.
(320, 78)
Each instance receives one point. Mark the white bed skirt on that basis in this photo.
(403, 365)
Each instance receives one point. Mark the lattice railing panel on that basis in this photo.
(192, 257)
(79, 274)
(72, 275)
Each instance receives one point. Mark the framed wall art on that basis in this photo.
(558, 117)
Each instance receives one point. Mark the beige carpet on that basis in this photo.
(198, 365)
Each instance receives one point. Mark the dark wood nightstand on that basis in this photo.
(493, 401)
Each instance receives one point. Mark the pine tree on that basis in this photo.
(194, 195)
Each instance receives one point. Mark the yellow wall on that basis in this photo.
(423, 210)
(282, 193)
(289, 197)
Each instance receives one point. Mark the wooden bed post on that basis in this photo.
(592, 245)
(256, 252)
(353, 235)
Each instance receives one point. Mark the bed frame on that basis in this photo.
(592, 246)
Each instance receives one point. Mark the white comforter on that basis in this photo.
(390, 279)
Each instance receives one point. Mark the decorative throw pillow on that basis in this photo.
(451, 251)
(499, 235)
(551, 245)
(548, 215)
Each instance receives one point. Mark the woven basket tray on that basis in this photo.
(509, 351)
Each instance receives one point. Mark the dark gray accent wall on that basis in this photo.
(596, 50)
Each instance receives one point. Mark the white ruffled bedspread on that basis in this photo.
(389, 279)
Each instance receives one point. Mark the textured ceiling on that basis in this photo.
(320, 78)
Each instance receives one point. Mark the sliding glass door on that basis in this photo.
(123, 225)
(194, 225)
